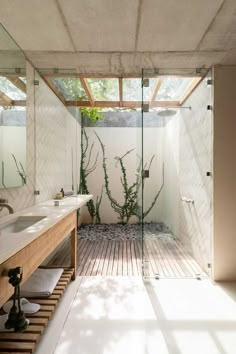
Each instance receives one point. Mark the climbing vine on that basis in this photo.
(130, 205)
(87, 166)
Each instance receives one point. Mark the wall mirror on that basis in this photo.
(12, 113)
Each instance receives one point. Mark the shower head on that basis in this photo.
(166, 112)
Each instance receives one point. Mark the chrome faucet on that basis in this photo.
(8, 206)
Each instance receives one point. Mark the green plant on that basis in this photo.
(130, 205)
(20, 170)
(85, 169)
(92, 113)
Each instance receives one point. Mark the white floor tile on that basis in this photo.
(114, 315)
(111, 315)
(195, 316)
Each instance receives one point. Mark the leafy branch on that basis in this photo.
(20, 170)
(87, 168)
(130, 205)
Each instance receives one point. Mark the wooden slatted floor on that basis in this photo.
(167, 258)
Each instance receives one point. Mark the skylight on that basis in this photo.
(10, 90)
(104, 89)
(172, 88)
(112, 92)
(124, 92)
(132, 89)
(70, 88)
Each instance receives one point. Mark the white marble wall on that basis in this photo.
(171, 191)
(195, 159)
(56, 137)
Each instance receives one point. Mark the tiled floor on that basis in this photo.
(114, 315)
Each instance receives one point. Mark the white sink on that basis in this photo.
(20, 224)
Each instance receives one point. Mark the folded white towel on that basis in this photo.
(41, 283)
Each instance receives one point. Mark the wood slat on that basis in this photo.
(34, 329)
(120, 260)
(106, 258)
(102, 256)
(167, 258)
(39, 321)
(3, 352)
(17, 347)
(45, 301)
(19, 337)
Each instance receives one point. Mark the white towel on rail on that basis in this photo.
(41, 283)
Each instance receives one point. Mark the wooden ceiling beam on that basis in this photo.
(17, 82)
(86, 87)
(109, 76)
(88, 76)
(18, 103)
(6, 99)
(189, 90)
(125, 104)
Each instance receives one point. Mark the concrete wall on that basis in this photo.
(224, 173)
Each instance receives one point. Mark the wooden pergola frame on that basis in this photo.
(5, 100)
(14, 79)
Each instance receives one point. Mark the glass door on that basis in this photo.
(152, 170)
(139, 182)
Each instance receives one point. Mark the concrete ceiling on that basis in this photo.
(113, 37)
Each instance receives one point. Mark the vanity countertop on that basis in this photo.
(11, 243)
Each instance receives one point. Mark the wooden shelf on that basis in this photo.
(25, 342)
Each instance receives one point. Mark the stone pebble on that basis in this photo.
(118, 232)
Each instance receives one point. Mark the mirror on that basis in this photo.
(12, 113)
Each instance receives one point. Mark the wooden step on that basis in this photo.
(25, 342)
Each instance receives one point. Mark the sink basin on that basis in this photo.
(20, 224)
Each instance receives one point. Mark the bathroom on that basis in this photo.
(50, 133)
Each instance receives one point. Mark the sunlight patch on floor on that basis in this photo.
(111, 315)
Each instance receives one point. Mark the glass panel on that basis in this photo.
(173, 88)
(71, 88)
(132, 92)
(104, 89)
(11, 90)
(139, 178)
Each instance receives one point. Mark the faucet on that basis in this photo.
(8, 206)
